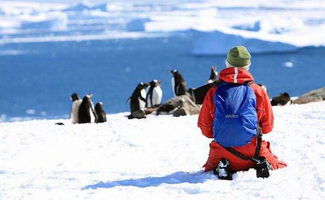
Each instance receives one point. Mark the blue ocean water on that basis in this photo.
(37, 79)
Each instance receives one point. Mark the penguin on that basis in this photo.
(178, 83)
(138, 101)
(198, 94)
(86, 113)
(76, 101)
(213, 75)
(153, 94)
(101, 114)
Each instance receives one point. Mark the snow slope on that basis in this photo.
(156, 158)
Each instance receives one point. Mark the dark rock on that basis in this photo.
(312, 96)
(179, 106)
(281, 100)
(139, 114)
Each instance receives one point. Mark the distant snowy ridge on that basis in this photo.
(159, 157)
(293, 24)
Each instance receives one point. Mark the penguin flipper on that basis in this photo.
(95, 115)
(143, 99)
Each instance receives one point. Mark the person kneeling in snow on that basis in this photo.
(234, 112)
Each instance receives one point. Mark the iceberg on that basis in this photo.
(219, 42)
(52, 21)
(277, 25)
(137, 25)
(79, 7)
(102, 7)
(249, 27)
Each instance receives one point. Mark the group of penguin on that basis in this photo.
(149, 95)
(145, 96)
(83, 110)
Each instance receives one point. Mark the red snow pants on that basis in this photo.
(217, 152)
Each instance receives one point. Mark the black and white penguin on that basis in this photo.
(154, 94)
(213, 75)
(178, 83)
(198, 94)
(138, 101)
(86, 113)
(76, 101)
(101, 114)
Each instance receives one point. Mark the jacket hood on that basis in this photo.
(235, 75)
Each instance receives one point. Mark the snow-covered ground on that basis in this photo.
(155, 158)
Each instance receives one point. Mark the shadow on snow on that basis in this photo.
(175, 178)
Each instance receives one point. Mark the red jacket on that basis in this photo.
(265, 119)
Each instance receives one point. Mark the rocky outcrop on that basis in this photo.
(312, 96)
(179, 106)
(281, 100)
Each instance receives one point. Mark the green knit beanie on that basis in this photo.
(239, 56)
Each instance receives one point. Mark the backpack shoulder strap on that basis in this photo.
(259, 143)
(236, 153)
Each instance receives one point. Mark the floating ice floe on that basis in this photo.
(30, 111)
(288, 64)
(11, 52)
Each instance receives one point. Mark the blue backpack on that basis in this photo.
(235, 122)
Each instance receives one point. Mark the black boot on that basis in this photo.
(223, 170)
(262, 168)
